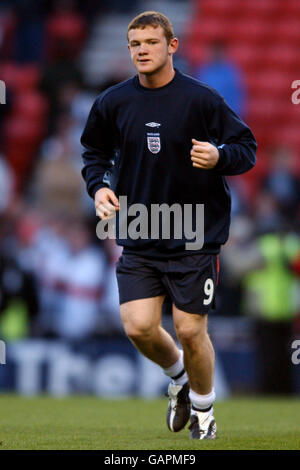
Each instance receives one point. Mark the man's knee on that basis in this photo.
(137, 327)
(192, 334)
(139, 332)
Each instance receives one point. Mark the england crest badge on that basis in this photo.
(153, 142)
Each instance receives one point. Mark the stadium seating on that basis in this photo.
(246, 56)
(20, 78)
(237, 9)
(68, 28)
(288, 32)
(31, 106)
(289, 9)
(263, 39)
(261, 84)
(8, 23)
(25, 126)
(22, 138)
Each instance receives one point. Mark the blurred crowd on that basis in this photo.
(56, 278)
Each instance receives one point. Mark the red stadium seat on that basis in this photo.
(263, 38)
(262, 164)
(208, 31)
(28, 77)
(262, 134)
(21, 134)
(292, 112)
(267, 111)
(218, 9)
(8, 23)
(263, 83)
(22, 139)
(20, 160)
(282, 57)
(250, 31)
(258, 8)
(231, 30)
(246, 56)
(67, 27)
(9, 73)
(245, 9)
(289, 134)
(288, 32)
(254, 177)
(20, 78)
(30, 105)
(289, 9)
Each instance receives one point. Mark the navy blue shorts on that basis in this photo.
(190, 281)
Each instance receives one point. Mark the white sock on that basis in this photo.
(177, 372)
(202, 403)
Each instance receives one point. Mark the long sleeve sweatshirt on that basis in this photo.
(150, 130)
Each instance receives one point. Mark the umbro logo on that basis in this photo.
(153, 124)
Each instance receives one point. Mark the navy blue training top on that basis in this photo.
(150, 130)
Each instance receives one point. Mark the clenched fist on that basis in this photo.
(106, 203)
(204, 155)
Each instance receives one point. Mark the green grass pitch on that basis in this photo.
(83, 423)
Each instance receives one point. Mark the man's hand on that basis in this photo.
(204, 155)
(106, 203)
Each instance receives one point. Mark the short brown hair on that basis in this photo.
(154, 19)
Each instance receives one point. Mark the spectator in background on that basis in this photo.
(239, 196)
(223, 75)
(63, 142)
(258, 280)
(239, 257)
(49, 256)
(73, 281)
(271, 297)
(283, 184)
(62, 71)
(79, 106)
(57, 184)
(65, 25)
(267, 214)
(18, 295)
(82, 287)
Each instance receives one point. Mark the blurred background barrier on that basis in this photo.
(109, 368)
(58, 292)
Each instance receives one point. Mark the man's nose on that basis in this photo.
(143, 49)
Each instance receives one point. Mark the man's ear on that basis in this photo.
(173, 46)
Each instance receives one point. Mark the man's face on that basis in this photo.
(149, 49)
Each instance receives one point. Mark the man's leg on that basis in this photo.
(199, 356)
(199, 360)
(142, 324)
